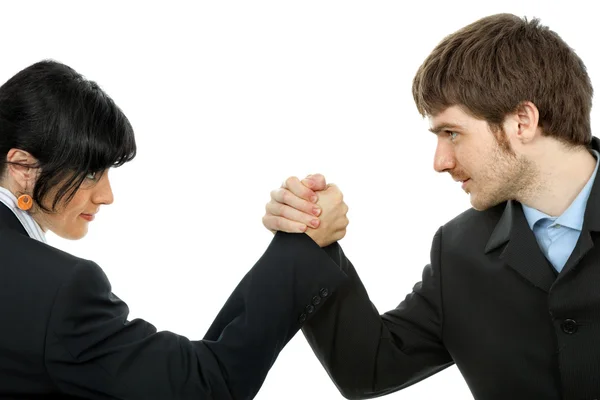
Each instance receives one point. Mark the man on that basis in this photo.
(512, 291)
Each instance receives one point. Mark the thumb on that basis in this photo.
(315, 182)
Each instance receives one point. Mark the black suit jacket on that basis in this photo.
(489, 301)
(64, 334)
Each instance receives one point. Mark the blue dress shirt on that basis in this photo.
(557, 236)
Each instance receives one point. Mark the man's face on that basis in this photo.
(481, 160)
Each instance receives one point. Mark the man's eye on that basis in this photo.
(452, 135)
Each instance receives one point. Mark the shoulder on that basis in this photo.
(471, 227)
(25, 257)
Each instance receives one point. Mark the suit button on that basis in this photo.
(302, 318)
(309, 309)
(324, 292)
(316, 300)
(569, 326)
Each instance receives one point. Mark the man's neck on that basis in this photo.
(562, 175)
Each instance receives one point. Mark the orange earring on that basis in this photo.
(25, 202)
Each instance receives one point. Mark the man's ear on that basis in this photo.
(527, 117)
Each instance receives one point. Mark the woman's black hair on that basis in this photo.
(70, 125)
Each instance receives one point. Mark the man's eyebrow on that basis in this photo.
(444, 127)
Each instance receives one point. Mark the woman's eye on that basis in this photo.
(91, 176)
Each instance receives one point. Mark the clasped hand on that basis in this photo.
(308, 206)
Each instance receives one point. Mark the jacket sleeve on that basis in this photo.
(93, 351)
(369, 355)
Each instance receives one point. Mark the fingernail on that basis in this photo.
(308, 183)
(314, 199)
(316, 211)
(303, 228)
(314, 223)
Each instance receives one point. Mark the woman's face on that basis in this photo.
(70, 220)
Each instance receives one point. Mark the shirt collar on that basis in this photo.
(573, 216)
(31, 226)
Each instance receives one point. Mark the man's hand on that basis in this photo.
(333, 219)
(297, 206)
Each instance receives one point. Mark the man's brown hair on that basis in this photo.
(493, 65)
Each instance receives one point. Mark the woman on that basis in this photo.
(63, 332)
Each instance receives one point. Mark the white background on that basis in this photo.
(228, 99)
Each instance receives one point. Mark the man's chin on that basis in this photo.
(480, 204)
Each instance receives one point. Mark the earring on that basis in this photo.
(25, 202)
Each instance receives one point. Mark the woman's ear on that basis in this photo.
(22, 169)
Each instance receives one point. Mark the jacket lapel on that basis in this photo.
(591, 223)
(522, 253)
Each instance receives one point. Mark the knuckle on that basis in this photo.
(268, 209)
(284, 196)
(269, 223)
(287, 197)
(281, 210)
(290, 181)
(275, 209)
(337, 194)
